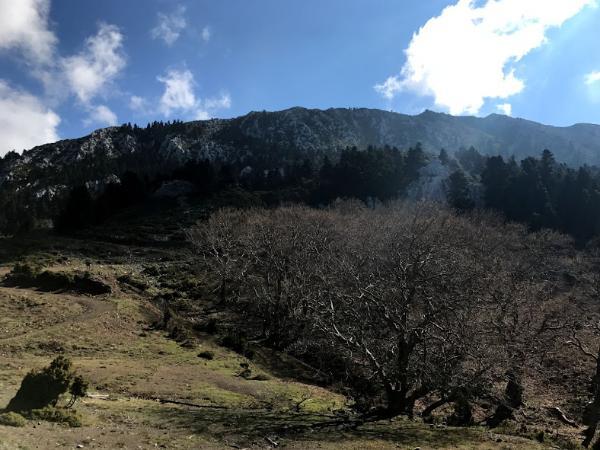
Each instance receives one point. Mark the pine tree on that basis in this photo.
(458, 192)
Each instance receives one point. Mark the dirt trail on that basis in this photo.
(93, 308)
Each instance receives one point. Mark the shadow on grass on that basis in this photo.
(248, 427)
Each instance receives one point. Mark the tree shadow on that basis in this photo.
(248, 427)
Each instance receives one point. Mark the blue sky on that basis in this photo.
(68, 67)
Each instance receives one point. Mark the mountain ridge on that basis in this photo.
(426, 114)
(271, 140)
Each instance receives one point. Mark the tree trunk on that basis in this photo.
(513, 399)
(592, 411)
(435, 405)
(222, 291)
(399, 402)
(463, 412)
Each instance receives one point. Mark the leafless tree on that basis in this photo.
(400, 303)
(586, 332)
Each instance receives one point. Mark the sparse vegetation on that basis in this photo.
(53, 414)
(12, 419)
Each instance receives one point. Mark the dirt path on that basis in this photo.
(93, 308)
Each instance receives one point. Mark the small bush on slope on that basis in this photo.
(12, 419)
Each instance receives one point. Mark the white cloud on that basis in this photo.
(179, 97)
(592, 77)
(505, 108)
(179, 92)
(467, 54)
(222, 102)
(24, 121)
(138, 104)
(202, 114)
(389, 88)
(206, 34)
(101, 115)
(170, 26)
(89, 72)
(24, 26)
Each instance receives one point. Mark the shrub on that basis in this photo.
(22, 274)
(57, 415)
(261, 377)
(12, 419)
(25, 269)
(78, 389)
(133, 281)
(41, 388)
(206, 355)
(238, 344)
(26, 275)
(540, 436)
(246, 371)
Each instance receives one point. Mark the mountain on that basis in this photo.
(42, 175)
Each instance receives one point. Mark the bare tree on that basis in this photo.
(219, 242)
(592, 411)
(399, 303)
(583, 331)
(406, 305)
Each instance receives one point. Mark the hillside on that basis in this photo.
(132, 363)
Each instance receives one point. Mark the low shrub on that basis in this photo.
(206, 355)
(57, 415)
(12, 419)
(133, 281)
(26, 275)
(245, 372)
(261, 377)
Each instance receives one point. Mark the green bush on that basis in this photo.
(41, 388)
(57, 415)
(27, 275)
(26, 269)
(133, 281)
(261, 377)
(12, 419)
(77, 390)
(206, 355)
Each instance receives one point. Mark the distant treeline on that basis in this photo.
(377, 173)
(536, 191)
(544, 194)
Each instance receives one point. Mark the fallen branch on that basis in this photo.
(193, 405)
(561, 416)
(271, 441)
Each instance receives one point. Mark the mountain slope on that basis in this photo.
(40, 176)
